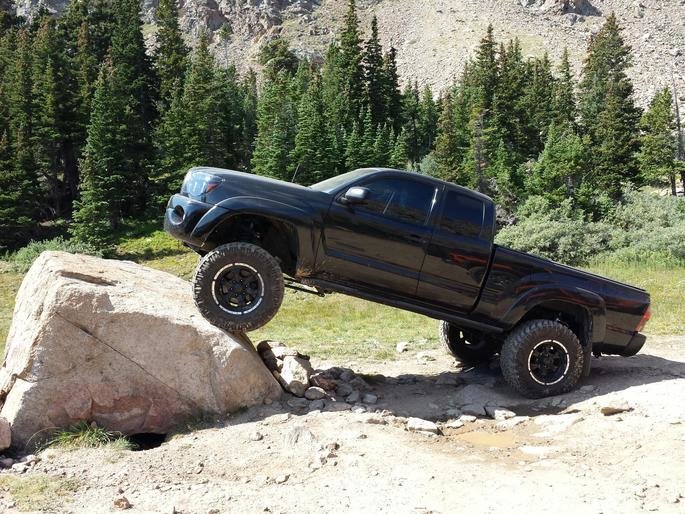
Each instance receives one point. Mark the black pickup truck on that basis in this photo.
(409, 241)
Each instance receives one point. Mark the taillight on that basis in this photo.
(199, 183)
(644, 319)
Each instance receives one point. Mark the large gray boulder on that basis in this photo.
(121, 345)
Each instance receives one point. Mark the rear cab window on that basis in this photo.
(462, 215)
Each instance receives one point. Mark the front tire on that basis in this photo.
(542, 358)
(467, 347)
(238, 287)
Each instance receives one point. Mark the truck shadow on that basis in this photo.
(442, 396)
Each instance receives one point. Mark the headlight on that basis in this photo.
(199, 183)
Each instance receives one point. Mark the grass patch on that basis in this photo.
(83, 435)
(9, 285)
(39, 493)
(665, 284)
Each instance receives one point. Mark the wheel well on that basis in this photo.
(573, 316)
(275, 236)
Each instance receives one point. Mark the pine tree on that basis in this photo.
(311, 157)
(369, 132)
(613, 160)
(99, 208)
(249, 122)
(563, 98)
(276, 57)
(537, 105)
(658, 142)
(46, 138)
(559, 171)
(383, 147)
(399, 158)
(354, 153)
(351, 71)
(411, 112)
(392, 94)
(427, 126)
(275, 129)
(20, 176)
(485, 71)
(608, 109)
(131, 87)
(448, 154)
(374, 80)
(171, 53)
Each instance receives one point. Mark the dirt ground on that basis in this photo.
(559, 454)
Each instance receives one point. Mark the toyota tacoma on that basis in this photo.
(409, 241)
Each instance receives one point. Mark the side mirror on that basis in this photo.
(354, 195)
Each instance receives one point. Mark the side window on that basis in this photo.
(462, 215)
(403, 200)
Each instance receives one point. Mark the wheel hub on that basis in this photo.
(238, 288)
(548, 362)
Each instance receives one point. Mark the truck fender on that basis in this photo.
(301, 220)
(590, 302)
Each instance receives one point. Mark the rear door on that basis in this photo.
(458, 254)
(380, 245)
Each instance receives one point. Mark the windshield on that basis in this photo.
(333, 183)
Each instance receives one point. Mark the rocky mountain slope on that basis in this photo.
(435, 37)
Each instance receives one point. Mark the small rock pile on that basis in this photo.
(334, 389)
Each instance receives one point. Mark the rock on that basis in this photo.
(319, 380)
(353, 397)
(499, 414)
(424, 357)
(615, 408)
(347, 375)
(422, 425)
(467, 418)
(282, 479)
(314, 393)
(295, 374)
(256, 436)
(6, 462)
(298, 403)
(454, 423)
(475, 409)
(5, 434)
(401, 347)
(317, 405)
(344, 389)
(556, 423)
(587, 389)
(338, 406)
(122, 503)
(30, 459)
(122, 345)
(19, 467)
(510, 423)
(369, 398)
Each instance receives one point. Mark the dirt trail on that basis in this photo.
(565, 456)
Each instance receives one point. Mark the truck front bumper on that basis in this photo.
(182, 217)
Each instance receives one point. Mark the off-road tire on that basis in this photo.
(251, 257)
(540, 335)
(467, 347)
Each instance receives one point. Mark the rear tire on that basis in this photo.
(542, 358)
(467, 347)
(238, 287)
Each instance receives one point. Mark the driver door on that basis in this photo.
(380, 243)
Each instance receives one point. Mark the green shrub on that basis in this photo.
(21, 261)
(642, 228)
(555, 232)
